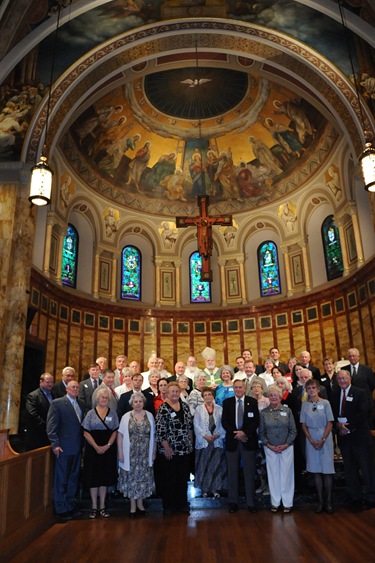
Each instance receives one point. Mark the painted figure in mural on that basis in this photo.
(197, 173)
(265, 157)
(165, 166)
(333, 181)
(138, 165)
(116, 151)
(225, 175)
(296, 116)
(174, 185)
(285, 137)
(211, 167)
(245, 182)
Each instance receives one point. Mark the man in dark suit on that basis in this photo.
(305, 359)
(361, 375)
(123, 404)
(240, 420)
(349, 408)
(59, 389)
(179, 369)
(65, 434)
(37, 406)
(275, 355)
(88, 386)
(108, 382)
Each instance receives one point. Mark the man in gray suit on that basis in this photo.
(88, 386)
(65, 434)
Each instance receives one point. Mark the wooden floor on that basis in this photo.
(210, 536)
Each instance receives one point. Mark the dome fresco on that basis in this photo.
(144, 145)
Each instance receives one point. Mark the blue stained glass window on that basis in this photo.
(268, 263)
(70, 257)
(131, 262)
(200, 291)
(332, 249)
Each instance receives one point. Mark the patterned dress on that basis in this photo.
(223, 392)
(139, 481)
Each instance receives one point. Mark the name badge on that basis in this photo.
(342, 419)
(349, 399)
(85, 385)
(320, 407)
(323, 379)
(283, 413)
(250, 415)
(173, 414)
(109, 418)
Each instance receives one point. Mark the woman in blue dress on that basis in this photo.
(225, 389)
(316, 418)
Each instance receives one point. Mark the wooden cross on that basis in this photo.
(204, 232)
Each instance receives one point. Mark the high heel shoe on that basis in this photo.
(132, 514)
(141, 512)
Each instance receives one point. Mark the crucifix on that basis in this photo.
(204, 233)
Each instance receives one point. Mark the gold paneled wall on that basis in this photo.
(75, 330)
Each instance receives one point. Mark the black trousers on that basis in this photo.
(172, 477)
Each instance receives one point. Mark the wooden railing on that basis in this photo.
(26, 508)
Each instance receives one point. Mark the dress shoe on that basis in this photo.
(183, 509)
(329, 509)
(64, 517)
(252, 509)
(319, 509)
(76, 513)
(141, 512)
(167, 512)
(233, 507)
(132, 514)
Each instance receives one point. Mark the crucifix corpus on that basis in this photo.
(204, 233)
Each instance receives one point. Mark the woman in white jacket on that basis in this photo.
(209, 445)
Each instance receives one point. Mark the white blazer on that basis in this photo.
(124, 430)
(201, 419)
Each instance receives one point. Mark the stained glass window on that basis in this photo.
(70, 257)
(268, 263)
(131, 261)
(332, 249)
(200, 291)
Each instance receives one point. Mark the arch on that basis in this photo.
(332, 249)
(268, 266)
(69, 265)
(131, 273)
(200, 291)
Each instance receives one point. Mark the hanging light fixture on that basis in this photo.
(41, 173)
(367, 158)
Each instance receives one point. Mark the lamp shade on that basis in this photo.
(41, 183)
(367, 160)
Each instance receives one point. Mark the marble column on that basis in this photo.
(115, 260)
(96, 275)
(17, 226)
(222, 261)
(340, 225)
(357, 234)
(47, 243)
(241, 261)
(289, 288)
(158, 263)
(177, 262)
(306, 266)
(62, 233)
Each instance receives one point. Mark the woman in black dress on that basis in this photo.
(100, 459)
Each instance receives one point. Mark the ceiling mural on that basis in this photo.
(145, 145)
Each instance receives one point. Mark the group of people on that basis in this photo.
(146, 432)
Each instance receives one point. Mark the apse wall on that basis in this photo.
(74, 330)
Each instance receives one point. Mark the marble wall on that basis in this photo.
(75, 330)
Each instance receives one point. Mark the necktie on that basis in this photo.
(113, 392)
(49, 396)
(239, 413)
(77, 409)
(304, 395)
(343, 401)
(354, 372)
(94, 383)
